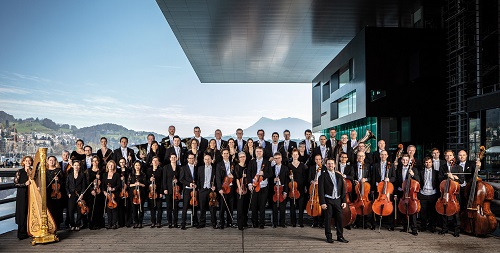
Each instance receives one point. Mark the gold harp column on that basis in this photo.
(45, 236)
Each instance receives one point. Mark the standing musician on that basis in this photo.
(187, 178)
(241, 177)
(299, 173)
(146, 147)
(368, 157)
(428, 196)
(275, 147)
(137, 181)
(362, 174)
(376, 154)
(261, 142)
(177, 150)
(155, 150)
(75, 185)
(380, 174)
(79, 153)
(194, 149)
(249, 150)
(86, 166)
(324, 150)
(233, 150)
(202, 142)
(54, 177)
(436, 161)
(345, 148)
(104, 153)
(171, 174)
(257, 168)
(466, 167)
(411, 150)
(88, 157)
(288, 146)
(95, 197)
(332, 141)
(403, 170)
(303, 156)
(214, 153)
(240, 143)
(21, 182)
(318, 221)
(205, 178)
(332, 197)
(155, 196)
(309, 142)
(280, 174)
(110, 185)
(352, 141)
(219, 141)
(124, 206)
(225, 169)
(65, 165)
(123, 152)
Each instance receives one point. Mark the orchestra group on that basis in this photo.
(336, 181)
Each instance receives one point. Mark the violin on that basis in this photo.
(292, 185)
(258, 179)
(124, 192)
(409, 203)
(382, 206)
(478, 219)
(176, 191)
(362, 204)
(313, 206)
(278, 193)
(84, 209)
(226, 185)
(137, 194)
(111, 203)
(213, 197)
(56, 189)
(97, 184)
(242, 185)
(152, 190)
(447, 204)
(194, 199)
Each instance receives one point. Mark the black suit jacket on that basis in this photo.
(117, 155)
(349, 152)
(366, 172)
(441, 162)
(325, 186)
(242, 147)
(348, 172)
(443, 173)
(252, 170)
(377, 177)
(283, 176)
(312, 172)
(201, 177)
(435, 179)
(223, 144)
(399, 176)
(279, 149)
(220, 174)
(168, 177)
(291, 146)
(185, 176)
(376, 156)
(329, 152)
(329, 143)
(300, 175)
(181, 157)
(470, 167)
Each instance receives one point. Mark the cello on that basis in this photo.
(313, 207)
(447, 204)
(478, 219)
(349, 212)
(362, 203)
(382, 206)
(409, 203)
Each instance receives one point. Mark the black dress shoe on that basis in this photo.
(159, 225)
(432, 230)
(115, 227)
(195, 224)
(456, 234)
(140, 225)
(329, 238)
(443, 231)
(294, 225)
(170, 226)
(391, 229)
(422, 229)
(283, 226)
(176, 226)
(183, 227)
(240, 228)
(218, 226)
(372, 227)
(200, 226)
(153, 225)
(314, 225)
(342, 239)
(321, 226)
(301, 225)
(274, 225)
(254, 225)
(403, 230)
(135, 226)
(414, 232)
(261, 227)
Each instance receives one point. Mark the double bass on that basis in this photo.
(382, 206)
(478, 219)
(313, 207)
(409, 203)
(447, 204)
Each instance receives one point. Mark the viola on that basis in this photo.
(278, 193)
(212, 202)
(137, 194)
(313, 207)
(362, 204)
(409, 203)
(84, 209)
(124, 192)
(194, 198)
(97, 188)
(243, 187)
(257, 180)
(447, 204)
(382, 206)
(292, 185)
(56, 190)
(152, 190)
(176, 191)
(478, 219)
(111, 203)
(226, 185)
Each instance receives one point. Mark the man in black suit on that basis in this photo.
(261, 167)
(362, 175)
(332, 141)
(309, 141)
(314, 172)
(203, 143)
(188, 179)
(344, 147)
(381, 172)
(88, 158)
(225, 168)
(403, 171)
(428, 195)
(240, 143)
(411, 150)
(368, 157)
(169, 140)
(352, 141)
(266, 146)
(332, 198)
(324, 150)
(376, 154)
(206, 176)
(220, 143)
(467, 167)
(146, 147)
(446, 171)
(280, 175)
(124, 152)
(288, 145)
(276, 148)
(176, 149)
(437, 162)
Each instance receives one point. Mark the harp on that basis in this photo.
(41, 225)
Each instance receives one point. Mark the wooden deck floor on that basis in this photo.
(250, 240)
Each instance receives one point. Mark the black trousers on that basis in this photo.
(226, 209)
(258, 206)
(172, 209)
(124, 212)
(299, 205)
(185, 206)
(281, 208)
(203, 205)
(72, 208)
(138, 213)
(96, 211)
(455, 219)
(390, 218)
(333, 210)
(412, 217)
(242, 209)
(428, 214)
(156, 210)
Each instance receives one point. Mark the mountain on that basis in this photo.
(296, 127)
(113, 133)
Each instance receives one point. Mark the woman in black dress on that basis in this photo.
(193, 146)
(213, 152)
(249, 150)
(137, 180)
(104, 153)
(154, 177)
(54, 179)
(155, 151)
(95, 198)
(75, 185)
(243, 199)
(170, 177)
(111, 186)
(299, 171)
(21, 182)
(233, 150)
(79, 153)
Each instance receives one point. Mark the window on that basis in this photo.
(326, 91)
(346, 73)
(334, 82)
(347, 104)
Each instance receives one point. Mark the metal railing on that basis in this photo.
(7, 186)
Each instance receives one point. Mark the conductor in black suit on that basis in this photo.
(332, 197)
(124, 152)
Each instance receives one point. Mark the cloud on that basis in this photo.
(32, 78)
(13, 90)
(167, 66)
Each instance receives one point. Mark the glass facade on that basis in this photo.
(492, 162)
(360, 126)
(347, 104)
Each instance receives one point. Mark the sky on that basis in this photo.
(91, 62)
